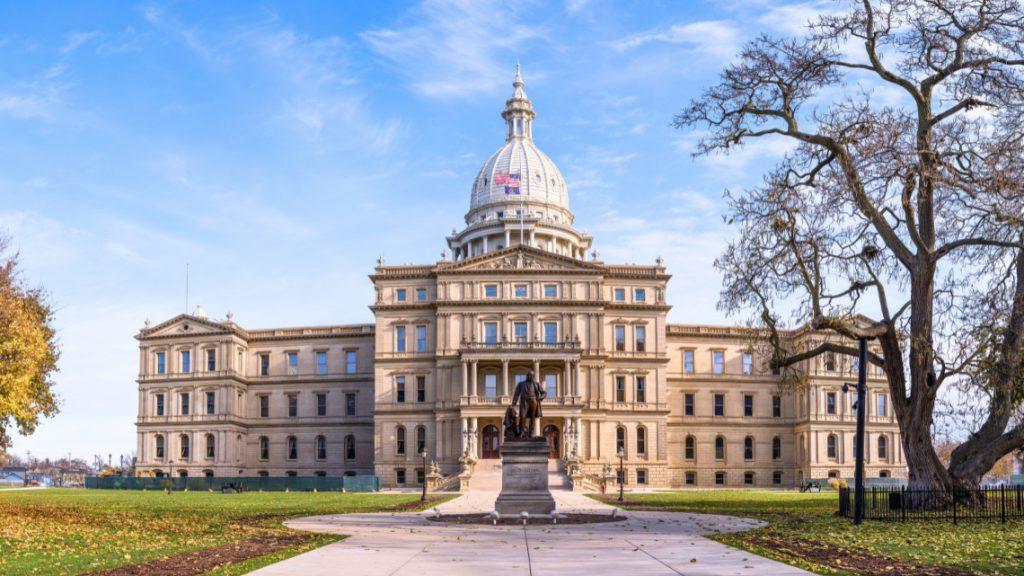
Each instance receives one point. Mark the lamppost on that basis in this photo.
(622, 474)
(423, 496)
(862, 393)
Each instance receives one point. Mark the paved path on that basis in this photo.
(646, 544)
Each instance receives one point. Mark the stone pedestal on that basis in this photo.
(524, 478)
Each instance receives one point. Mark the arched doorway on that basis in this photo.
(489, 446)
(551, 433)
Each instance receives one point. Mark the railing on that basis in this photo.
(522, 345)
(901, 504)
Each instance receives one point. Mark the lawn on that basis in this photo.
(66, 531)
(803, 530)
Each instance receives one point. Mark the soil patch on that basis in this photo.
(484, 519)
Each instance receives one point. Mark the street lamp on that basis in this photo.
(423, 496)
(862, 393)
(622, 473)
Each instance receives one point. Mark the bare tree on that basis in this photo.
(899, 221)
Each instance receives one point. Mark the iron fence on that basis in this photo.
(239, 483)
(1000, 503)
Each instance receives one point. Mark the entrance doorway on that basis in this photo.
(551, 433)
(490, 442)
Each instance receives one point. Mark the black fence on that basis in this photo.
(901, 503)
(239, 483)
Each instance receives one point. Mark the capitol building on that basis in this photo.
(518, 290)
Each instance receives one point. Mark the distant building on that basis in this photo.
(12, 476)
(687, 405)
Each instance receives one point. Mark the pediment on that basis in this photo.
(184, 324)
(521, 259)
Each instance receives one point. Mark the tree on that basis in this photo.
(898, 221)
(28, 352)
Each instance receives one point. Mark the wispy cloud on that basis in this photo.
(77, 39)
(718, 39)
(39, 98)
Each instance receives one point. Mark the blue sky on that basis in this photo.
(281, 148)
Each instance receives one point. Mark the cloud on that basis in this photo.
(39, 98)
(455, 48)
(767, 148)
(574, 6)
(716, 38)
(77, 39)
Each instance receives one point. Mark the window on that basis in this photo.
(399, 388)
(183, 442)
(400, 440)
(400, 295)
(520, 290)
(719, 404)
(688, 361)
(264, 406)
(688, 404)
(264, 364)
(159, 404)
(777, 477)
(421, 439)
(830, 403)
(691, 478)
(350, 447)
(550, 291)
(720, 478)
(719, 448)
(211, 407)
(321, 404)
(718, 361)
(264, 448)
(830, 361)
(185, 403)
(641, 338)
(421, 338)
(748, 448)
(210, 446)
(421, 388)
(293, 405)
(490, 385)
(776, 448)
(421, 294)
(884, 474)
(321, 362)
(161, 363)
(293, 448)
(293, 363)
(350, 362)
(641, 476)
(550, 332)
(833, 473)
(519, 332)
(291, 473)
(641, 389)
(748, 363)
(620, 388)
(690, 449)
(880, 405)
(420, 476)
(833, 446)
(883, 448)
(620, 338)
(321, 448)
(159, 447)
(350, 404)
(490, 290)
(620, 440)
(748, 477)
(776, 406)
(186, 361)
(748, 405)
(400, 476)
(619, 294)
(641, 440)
(639, 295)
(490, 333)
(551, 385)
(399, 338)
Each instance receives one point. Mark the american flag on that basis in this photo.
(509, 181)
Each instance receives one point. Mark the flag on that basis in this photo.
(509, 181)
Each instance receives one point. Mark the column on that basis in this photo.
(508, 238)
(473, 437)
(504, 378)
(533, 238)
(566, 389)
(485, 244)
(465, 436)
(465, 378)
(576, 379)
(536, 369)
(472, 380)
(438, 439)
(578, 439)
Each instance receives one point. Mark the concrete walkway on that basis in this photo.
(646, 544)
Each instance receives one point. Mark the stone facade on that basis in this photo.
(685, 405)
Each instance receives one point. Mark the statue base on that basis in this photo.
(524, 478)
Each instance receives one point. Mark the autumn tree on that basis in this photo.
(28, 352)
(897, 219)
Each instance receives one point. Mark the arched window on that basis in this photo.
(321, 448)
(641, 440)
(293, 448)
(264, 448)
(748, 448)
(211, 446)
(884, 474)
(160, 446)
(719, 448)
(691, 448)
(776, 448)
(183, 440)
(400, 440)
(350, 447)
(620, 440)
(833, 446)
(421, 439)
(883, 447)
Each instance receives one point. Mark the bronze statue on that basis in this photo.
(511, 424)
(527, 398)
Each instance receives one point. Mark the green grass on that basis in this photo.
(66, 532)
(800, 522)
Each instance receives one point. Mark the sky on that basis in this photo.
(279, 148)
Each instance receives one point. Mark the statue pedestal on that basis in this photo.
(524, 478)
